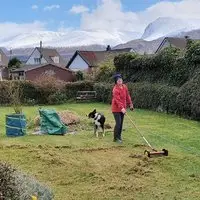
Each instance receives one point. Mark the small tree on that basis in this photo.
(14, 91)
(14, 63)
(79, 76)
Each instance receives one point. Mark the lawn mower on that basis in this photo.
(154, 152)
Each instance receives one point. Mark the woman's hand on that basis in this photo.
(123, 110)
(131, 107)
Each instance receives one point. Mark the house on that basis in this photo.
(172, 42)
(42, 55)
(32, 72)
(86, 60)
(3, 65)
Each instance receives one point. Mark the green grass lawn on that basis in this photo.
(81, 166)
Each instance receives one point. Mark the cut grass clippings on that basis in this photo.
(81, 166)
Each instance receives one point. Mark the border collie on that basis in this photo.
(99, 120)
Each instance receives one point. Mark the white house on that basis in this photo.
(86, 60)
(42, 55)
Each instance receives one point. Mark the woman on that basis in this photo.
(120, 100)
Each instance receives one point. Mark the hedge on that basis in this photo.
(184, 101)
(144, 95)
(188, 99)
(31, 94)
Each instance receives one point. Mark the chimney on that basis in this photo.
(10, 53)
(40, 51)
(187, 37)
(108, 48)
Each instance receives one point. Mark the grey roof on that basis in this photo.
(48, 53)
(176, 42)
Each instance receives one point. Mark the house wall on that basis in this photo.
(3, 59)
(78, 64)
(58, 72)
(35, 54)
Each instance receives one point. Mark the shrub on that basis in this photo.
(71, 89)
(16, 185)
(104, 92)
(154, 96)
(79, 76)
(105, 71)
(28, 186)
(8, 186)
(47, 86)
(122, 63)
(180, 73)
(189, 98)
(144, 95)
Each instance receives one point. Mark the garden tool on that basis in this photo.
(154, 152)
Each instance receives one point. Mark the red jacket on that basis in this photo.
(120, 98)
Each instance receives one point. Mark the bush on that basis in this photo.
(189, 98)
(47, 86)
(8, 186)
(17, 186)
(79, 76)
(154, 96)
(144, 95)
(122, 63)
(71, 89)
(104, 92)
(105, 71)
(180, 73)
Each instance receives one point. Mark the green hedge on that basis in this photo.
(30, 94)
(159, 97)
(188, 99)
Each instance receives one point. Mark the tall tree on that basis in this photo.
(14, 63)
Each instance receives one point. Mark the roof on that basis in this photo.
(27, 68)
(94, 58)
(48, 53)
(177, 42)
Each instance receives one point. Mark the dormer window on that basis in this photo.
(37, 60)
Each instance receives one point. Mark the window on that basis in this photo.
(37, 60)
(0, 58)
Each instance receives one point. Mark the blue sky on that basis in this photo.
(59, 15)
(81, 22)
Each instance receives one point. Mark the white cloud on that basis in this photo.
(108, 23)
(51, 7)
(10, 29)
(77, 9)
(34, 7)
(109, 15)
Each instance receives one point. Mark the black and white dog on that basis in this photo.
(99, 120)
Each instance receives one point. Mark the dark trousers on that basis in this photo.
(119, 118)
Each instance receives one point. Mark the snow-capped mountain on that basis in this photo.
(67, 38)
(77, 39)
(166, 26)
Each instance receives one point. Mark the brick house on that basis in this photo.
(32, 72)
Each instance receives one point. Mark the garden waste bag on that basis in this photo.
(50, 122)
